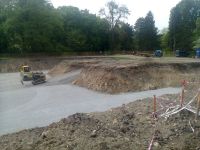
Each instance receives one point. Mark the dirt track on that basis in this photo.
(30, 106)
(130, 127)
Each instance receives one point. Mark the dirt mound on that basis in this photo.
(13, 65)
(60, 69)
(128, 77)
(128, 127)
(67, 66)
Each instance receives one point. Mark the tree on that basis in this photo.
(7, 7)
(164, 38)
(30, 26)
(182, 24)
(151, 36)
(139, 32)
(114, 14)
(34, 27)
(3, 39)
(146, 33)
(127, 34)
(90, 35)
(197, 34)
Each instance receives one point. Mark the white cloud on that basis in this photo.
(139, 8)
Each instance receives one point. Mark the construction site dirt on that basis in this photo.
(166, 121)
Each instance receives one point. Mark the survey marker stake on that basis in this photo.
(198, 105)
(154, 106)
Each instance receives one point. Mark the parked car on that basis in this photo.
(182, 53)
(198, 53)
(158, 53)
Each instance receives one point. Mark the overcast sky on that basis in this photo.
(139, 8)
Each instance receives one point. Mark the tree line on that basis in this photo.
(35, 26)
(184, 25)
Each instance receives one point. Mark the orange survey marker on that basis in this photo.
(154, 106)
(198, 106)
(182, 97)
(184, 83)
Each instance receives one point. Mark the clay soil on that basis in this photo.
(126, 77)
(128, 127)
(117, 75)
(13, 64)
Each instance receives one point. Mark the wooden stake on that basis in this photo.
(182, 97)
(154, 104)
(198, 106)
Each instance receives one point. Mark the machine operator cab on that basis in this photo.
(25, 73)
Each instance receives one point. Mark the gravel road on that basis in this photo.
(27, 106)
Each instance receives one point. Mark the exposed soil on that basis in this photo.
(40, 63)
(125, 77)
(67, 66)
(13, 65)
(127, 127)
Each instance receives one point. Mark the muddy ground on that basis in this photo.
(130, 126)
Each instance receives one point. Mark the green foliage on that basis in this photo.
(197, 43)
(127, 34)
(91, 34)
(35, 26)
(168, 52)
(164, 39)
(197, 34)
(146, 33)
(114, 14)
(3, 39)
(182, 24)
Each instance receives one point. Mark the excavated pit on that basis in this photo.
(135, 77)
(68, 66)
(130, 126)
